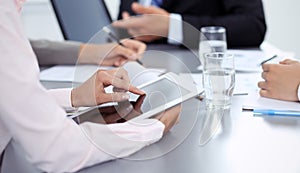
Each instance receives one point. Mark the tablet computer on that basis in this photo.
(162, 93)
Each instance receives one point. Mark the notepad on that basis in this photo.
(250, 60)
(254, 101)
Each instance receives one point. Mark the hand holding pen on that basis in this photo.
(280, 81)
(114, 38)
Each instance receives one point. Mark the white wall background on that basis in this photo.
(282, 19)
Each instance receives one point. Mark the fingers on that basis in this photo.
(119, 79)
(264, 75)
(262, 85)
(132, 22)
(135, 90)
(121, 61)
(140, 9)
(266, 67)
(288, 62)
(114, 97)
(264, 93)
(137, 46)
(126, 52)
(125, 15)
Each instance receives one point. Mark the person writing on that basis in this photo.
(29, 113)
(244, 20)
(281, 81)
(71, 52)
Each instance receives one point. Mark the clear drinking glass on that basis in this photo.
(212, 39)
(218, 79)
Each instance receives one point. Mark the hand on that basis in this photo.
(152, 24)
(111, 54)
(170, 117)
(281, 80)
(288, 62)
(92, 92)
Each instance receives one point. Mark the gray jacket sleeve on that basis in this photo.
(55, 52)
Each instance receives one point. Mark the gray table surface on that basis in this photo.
(205, 140)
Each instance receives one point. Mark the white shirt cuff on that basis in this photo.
(62, 97)
(299, 92)
(175, 35)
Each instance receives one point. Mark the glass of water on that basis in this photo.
(212, 39)
(218, 79)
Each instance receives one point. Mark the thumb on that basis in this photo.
(140, 9)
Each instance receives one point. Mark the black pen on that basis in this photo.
(274, 56)
(115, 39)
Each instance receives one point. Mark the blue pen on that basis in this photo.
(269, 112)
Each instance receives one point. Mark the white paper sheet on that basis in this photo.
(254, 101)
(250, 60)
(244, 82)
(63, 73)
(80, 73)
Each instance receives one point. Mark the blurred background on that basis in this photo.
(282, 20)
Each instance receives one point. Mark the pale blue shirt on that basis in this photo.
(175, 35)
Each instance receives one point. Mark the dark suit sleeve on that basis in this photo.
(243, 19)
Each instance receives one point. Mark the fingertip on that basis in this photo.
(135, 5)
(125, 15)
(263, 93)
(135, 90)
(265, 67)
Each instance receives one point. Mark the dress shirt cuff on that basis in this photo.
(299, 92)
(175, 35)
(63, 97)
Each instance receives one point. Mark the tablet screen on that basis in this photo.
(158, 94)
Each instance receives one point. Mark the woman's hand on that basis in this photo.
(169, 117)
(111, 54)
(92, 92)
(281, 80)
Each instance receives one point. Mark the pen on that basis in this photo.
(270, 112)
(114, 38)
(274, 56)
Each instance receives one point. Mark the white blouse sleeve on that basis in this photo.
(62, 97)
(30, 114)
